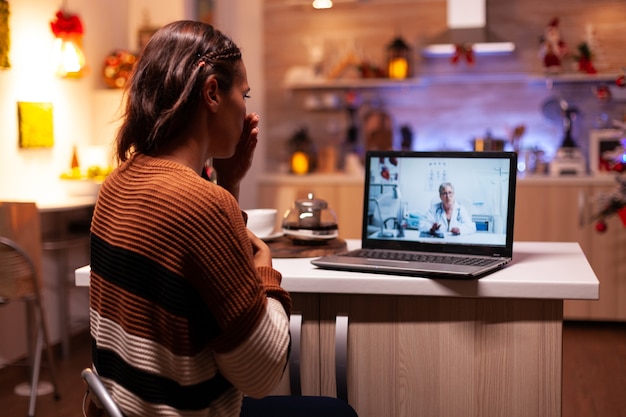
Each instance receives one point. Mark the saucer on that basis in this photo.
(271, 237)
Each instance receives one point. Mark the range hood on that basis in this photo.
(467, 24)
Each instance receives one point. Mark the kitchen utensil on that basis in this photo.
(552, 109)
(310, 220)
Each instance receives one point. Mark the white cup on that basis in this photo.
(261, 221)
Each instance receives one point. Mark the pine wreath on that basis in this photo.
(4, 34)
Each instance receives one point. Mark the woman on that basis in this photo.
(187, 313)
(448, 215)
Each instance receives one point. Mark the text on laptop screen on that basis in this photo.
(445, 198)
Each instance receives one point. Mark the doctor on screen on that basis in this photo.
(447, 215)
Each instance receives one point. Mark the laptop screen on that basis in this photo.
(458, 202)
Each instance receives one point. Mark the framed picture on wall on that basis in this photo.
(35, 121)
(605, 147)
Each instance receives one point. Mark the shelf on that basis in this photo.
(463, 78)
(359, 83)
(575, 78)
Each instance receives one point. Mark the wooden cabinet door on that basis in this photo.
(349, 210)
(607, 255)
(552, 213)
(437, 356)
(562, 212)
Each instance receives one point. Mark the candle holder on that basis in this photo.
(398, 59)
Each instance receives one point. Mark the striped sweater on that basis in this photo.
(182, 322)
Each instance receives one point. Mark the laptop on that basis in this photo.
(434, 214)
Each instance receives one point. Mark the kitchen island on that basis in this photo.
(411, 346)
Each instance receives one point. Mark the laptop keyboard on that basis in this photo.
(422, 257)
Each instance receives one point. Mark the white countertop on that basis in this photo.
(539, 270)
(55, 196)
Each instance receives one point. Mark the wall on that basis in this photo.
(29, 174)
(447, 105)
(85, 110)
(26, 171)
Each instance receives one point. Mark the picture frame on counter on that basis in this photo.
(603, 144)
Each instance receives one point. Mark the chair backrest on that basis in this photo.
(17, 271)
(20, 225)
(99, 391)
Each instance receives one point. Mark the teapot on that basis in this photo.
(310, 220)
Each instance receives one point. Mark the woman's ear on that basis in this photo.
(211, 93)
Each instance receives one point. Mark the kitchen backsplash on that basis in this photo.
(446, 105)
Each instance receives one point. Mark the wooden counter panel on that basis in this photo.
(425, 356)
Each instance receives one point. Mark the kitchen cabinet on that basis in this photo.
(343, 193)
(559, 209)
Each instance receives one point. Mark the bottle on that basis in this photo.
(351, 149)
(74, 164)
(407, 138)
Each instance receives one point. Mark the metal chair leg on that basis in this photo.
(42, 336)
(34, 380)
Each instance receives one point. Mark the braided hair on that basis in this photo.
(167, 83)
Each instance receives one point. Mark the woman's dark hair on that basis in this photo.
(167, 84)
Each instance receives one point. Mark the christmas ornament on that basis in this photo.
(602, 92)
(611, 204)
(463, 52)
(118, 66)
(584, 59)
(601, 226)
(69, 59)
(553, 49)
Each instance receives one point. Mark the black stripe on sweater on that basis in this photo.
(157, 389)
(147, 279)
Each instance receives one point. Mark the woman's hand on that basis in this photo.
(231, 171)
(262, 252)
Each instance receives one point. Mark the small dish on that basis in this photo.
(271, 237)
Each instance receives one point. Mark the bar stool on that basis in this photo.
(19, 281)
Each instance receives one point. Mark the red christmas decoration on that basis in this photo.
(603, 93)
(553, 49)
(614, 203)
(584, 59)
(118, 66)
(463, 51)
(66, 24)
(69, 58)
